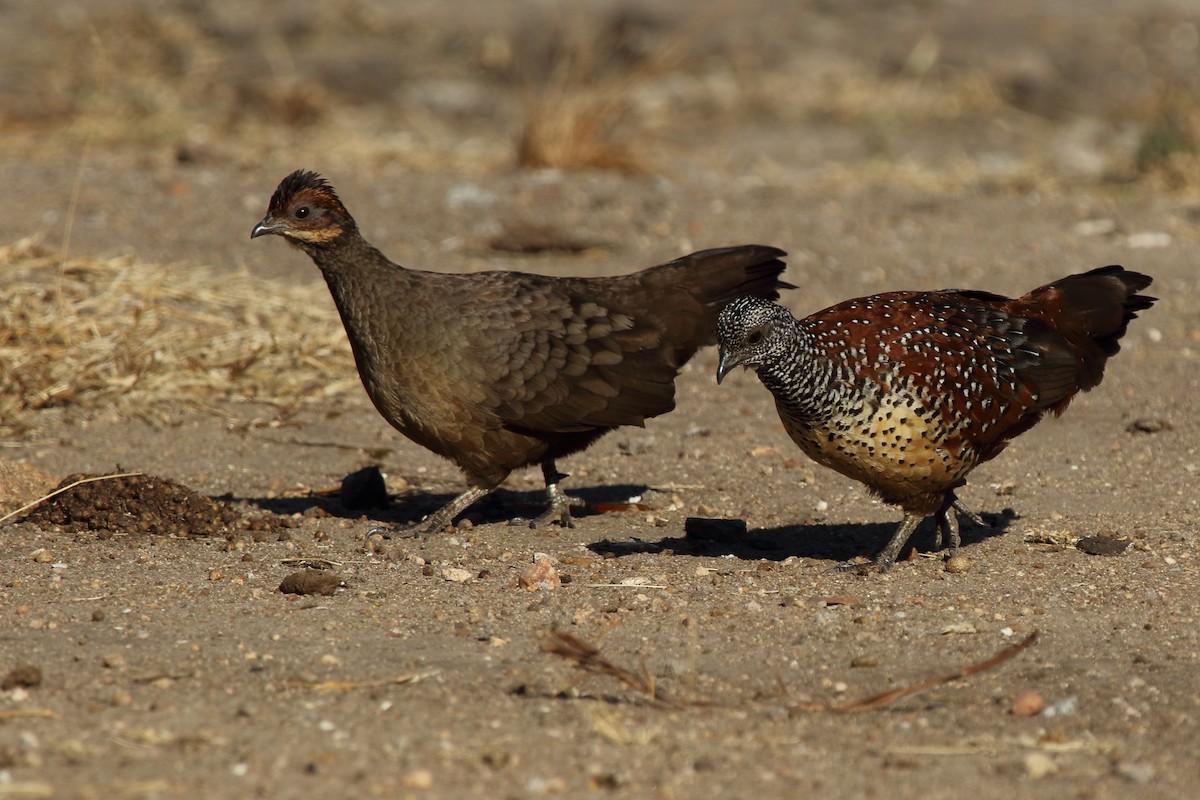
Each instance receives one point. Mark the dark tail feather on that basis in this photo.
(1091, 311)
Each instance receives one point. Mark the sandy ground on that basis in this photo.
(935, 145)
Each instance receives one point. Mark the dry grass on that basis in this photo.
(119, 336)
(579, 112)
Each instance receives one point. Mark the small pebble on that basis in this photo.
(714, 529)
(457, 574)
(419, 779)
(1027, 703)
(1064, 707)
(541, 574)
(1039, 765)
(366, 488)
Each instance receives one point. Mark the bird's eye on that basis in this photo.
(302, 212)
(754, 338)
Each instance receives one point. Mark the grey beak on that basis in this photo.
(728, 362)
(268, 225)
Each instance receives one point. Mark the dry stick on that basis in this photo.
(79, 482)
(341, 686)
(888, 697)
(587, 657)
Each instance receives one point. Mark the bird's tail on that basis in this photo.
(717, 276)
(1091, 312)
(690, 292)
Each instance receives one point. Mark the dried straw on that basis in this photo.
(119, 336)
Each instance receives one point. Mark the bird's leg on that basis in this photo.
(887, 556)
(443, 516)
(947, 530)
(969, 514)
(947, 527)
(558, 503)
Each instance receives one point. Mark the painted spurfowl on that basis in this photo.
(907, 392)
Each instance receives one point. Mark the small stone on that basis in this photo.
(121, 698)
(42, 556)
(958, 565)
(541, 574)
(366, 488)
(1039, 765)
(419, 779)
(113, 660)
(1146, 240)
(1095, 227)
(1148, 425)
(1137, 772)
(1027, 703)
(714, 529)
(98, 615)
(216, 574)
(1064, 707)
(457, 574)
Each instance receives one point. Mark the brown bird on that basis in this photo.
(500, 370)
(907, 392)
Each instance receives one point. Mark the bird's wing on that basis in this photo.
(563, 355)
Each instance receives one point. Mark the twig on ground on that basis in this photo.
(587, 658)
(342, 686)
(891, 696)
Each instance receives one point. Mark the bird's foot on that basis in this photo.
(436, 521)
(947, 525)
(888, 555)
(971, 515)
(558, 508)
(858, 567)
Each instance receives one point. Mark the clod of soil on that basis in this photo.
(311, 581)
(714, 529)
(365, 488)
(26, 675)
(1102, 545)
(134, 504)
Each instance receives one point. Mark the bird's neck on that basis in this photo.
(371, 294)
(802, 378)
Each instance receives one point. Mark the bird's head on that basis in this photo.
(750, 331)
(306, 211)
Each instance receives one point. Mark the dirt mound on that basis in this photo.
(135, 504)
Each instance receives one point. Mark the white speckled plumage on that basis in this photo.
(907, 392)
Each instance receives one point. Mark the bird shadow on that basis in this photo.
(838, 542)
(502, 506)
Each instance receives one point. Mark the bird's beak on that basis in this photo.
(728, 362)
(268, 225)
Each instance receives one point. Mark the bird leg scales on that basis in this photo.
(887, 557)
(446, 514)
(558, 503)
